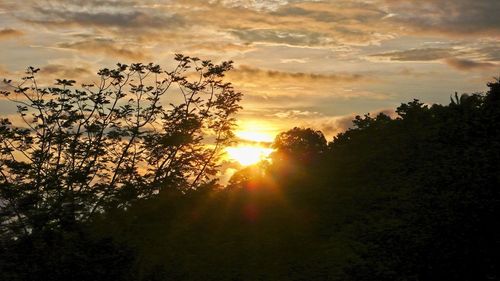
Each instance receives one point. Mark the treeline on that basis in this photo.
(414, 197)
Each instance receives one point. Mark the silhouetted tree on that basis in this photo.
(79, 150)
(301, 144)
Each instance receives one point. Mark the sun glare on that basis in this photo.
(248, 155)
(255, 136)
(256, 131)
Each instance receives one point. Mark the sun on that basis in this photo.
(248, 155)
(255, 138)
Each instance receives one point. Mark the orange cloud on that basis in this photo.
(106, 46)
(8, 33)
(245, 72)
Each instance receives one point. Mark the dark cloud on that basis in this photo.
(457, 59)
(8, 33)
(454, 17)
(111, 14)
(468, 65)
(250, 73)
(340, 12)
(125, 20)
(426, 54)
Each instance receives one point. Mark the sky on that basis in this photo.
(298, 63)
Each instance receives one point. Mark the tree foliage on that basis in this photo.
(301, 144)
(77, 150)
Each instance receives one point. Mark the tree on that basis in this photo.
(299, 144)
(80, 150)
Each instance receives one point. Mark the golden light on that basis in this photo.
(255, 136)
(248, 155)
(257, 131)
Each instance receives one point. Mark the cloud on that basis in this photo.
(451, 17)
(8, 33)
(249, 73)
(107, 14)
(340, 12)
(469, 65)
(218, 46)
(63, 71)
(464, 59)
(334, 125)
(295, 114)
(106, 46)
(287, 37)
(131, 20)
(288, 96)
(293, 23)
(490, 53)
(258, 5)
(326, 24)
(294, 60)
(298, 23)
(426, 54)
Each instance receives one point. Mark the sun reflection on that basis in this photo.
(248, 155)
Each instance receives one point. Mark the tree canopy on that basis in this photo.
(301, 144)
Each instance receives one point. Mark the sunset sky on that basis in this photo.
(298, 63)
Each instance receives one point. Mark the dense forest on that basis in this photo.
(412, 197)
